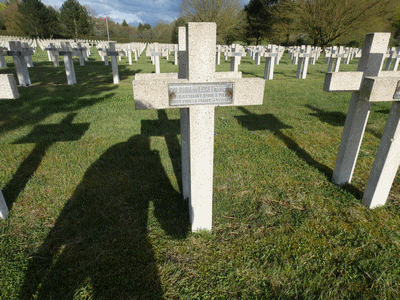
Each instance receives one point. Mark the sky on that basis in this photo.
(132, 11)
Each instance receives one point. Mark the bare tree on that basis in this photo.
(226, 13)
(326, 20)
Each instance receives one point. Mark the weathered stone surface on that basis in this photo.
(8, 87)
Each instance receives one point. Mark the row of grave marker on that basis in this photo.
(301, 56)
(197, 76)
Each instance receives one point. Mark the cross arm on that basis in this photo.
(343, 82)
(160, 92)
(379, 89)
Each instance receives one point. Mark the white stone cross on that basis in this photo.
(335, 58)
(79, 51)
(53, 54)
(394, 57)
(236, 57)
(68, 62)
(28, 54)
(270, 61)
(3, 51)
(20, 64)
(3, 207)
(197, 90)
(302, 65)
(8, 87)
(156, 58)
(369, 84)
(113, 57)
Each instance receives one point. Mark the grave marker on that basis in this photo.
(156, 58)
(270, 59)
(53, 54)
(304, 57)
(20, 64)
(8, 87)
(111, 51)
(3, 207)
(161, 91)
(3, 51)
(68, 62)
(369, 84)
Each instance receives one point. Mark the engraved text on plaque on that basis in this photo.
(182, 94)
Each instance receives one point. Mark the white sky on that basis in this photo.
(132, 11)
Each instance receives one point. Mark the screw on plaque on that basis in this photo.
(229, 92)
(171, 95)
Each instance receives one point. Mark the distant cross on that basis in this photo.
(111, 51)
(369, 84)
(302, 65)
(3, 52)
(270, 61)
(197, 90)
(53, 54)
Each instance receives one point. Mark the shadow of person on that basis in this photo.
(99, 244)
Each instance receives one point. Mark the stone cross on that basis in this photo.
(78, 51)
(3, 207)
(197, 90)
(236, 56)
(3, 51)
(8, 87)
(335, 58)
(394, 57)
(68, 62)
(53, 54)
(113, 57)
(28, 54)
(218, 54)
(270, 59)
(302, 65)
(20, 64)
(156, 58)
(369, 84)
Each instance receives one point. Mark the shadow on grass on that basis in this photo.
(334, 118)
(44, 136)
(50, 94)
(99, 246)
(269, 122)
(169, 129)
(337, 118)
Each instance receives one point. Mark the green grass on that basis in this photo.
(96, 211)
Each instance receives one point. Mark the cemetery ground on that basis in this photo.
(96, 212)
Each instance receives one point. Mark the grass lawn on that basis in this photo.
(96, 211)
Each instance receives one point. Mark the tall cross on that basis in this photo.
(369, 84)
(197, 90)
(20, 64)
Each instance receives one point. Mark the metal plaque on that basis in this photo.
(397, 92)
(183, 94)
